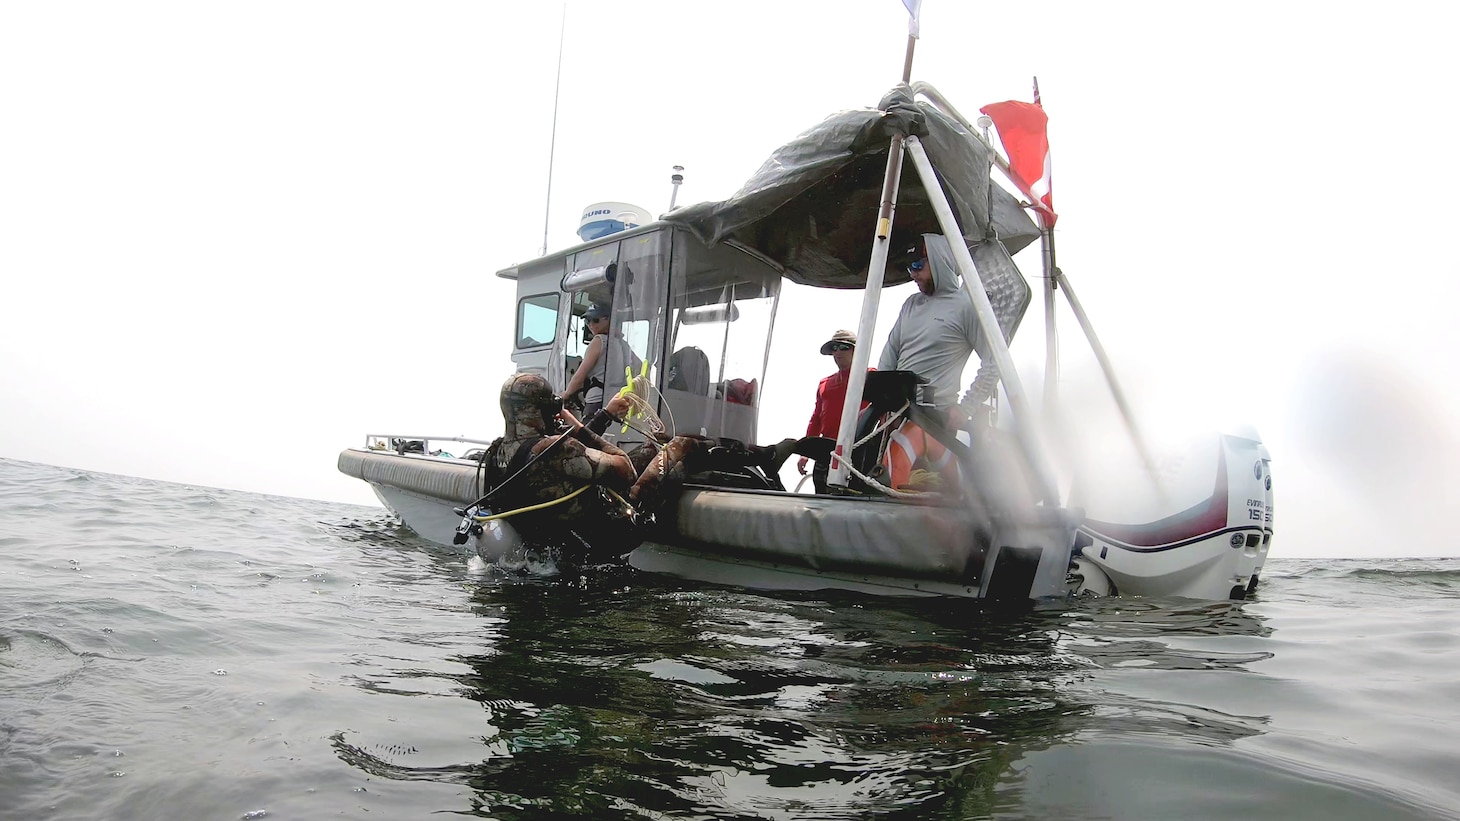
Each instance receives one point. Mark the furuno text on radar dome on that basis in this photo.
(603, 218)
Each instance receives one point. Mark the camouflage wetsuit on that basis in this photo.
(577, 459)
(565, 464)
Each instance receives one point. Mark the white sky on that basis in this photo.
(236, 237)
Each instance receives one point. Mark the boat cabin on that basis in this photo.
(699, 318)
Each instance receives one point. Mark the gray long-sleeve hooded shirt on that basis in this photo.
(935, 333)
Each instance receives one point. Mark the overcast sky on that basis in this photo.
(237, 237)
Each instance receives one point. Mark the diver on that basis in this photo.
(535, 462)
(562, 484)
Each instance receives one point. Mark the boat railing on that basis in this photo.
(932, 95)
(419, 445)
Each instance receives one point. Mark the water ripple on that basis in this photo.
(372, 674)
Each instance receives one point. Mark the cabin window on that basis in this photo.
(638, 300)
(537, 319)
(575, 342)
(589, 282)
(722, 304)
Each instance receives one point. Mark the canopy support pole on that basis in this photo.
(1024, 427)
(871, 298)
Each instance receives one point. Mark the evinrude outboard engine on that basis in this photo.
(1202, 532)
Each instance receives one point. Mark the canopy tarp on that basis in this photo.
(813, 205)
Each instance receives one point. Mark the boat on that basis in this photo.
(695, 294)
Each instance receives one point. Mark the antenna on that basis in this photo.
(985, 122)
(675, 180)
(553, 141)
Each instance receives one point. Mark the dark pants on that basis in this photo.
(819, 471)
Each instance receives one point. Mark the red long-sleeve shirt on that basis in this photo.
(826, 419)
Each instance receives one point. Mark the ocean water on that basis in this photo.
(176, 652)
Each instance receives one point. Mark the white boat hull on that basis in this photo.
(1211, 547)
(773, 540)
(431, 519)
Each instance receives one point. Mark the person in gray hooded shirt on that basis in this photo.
(937, 329)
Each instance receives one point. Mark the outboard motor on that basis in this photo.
(1202, 532)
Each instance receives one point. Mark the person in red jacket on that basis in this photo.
(830, 394)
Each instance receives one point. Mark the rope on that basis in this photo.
(896, 494)
(917, 477)
(883, 425)
(610, 491)
(929, 479)
(634, 390)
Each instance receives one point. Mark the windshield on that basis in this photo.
(722, 306)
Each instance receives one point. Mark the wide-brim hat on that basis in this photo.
(840, 337)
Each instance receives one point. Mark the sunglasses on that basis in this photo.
(841, 346)
(916, 266)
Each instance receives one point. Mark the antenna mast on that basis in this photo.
(553, 141)
(675, 180)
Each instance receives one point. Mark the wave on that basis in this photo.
(1409, 575)
(1411, 568)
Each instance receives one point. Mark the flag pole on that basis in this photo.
(871, 297)
(1051, 284)
(1051, 339)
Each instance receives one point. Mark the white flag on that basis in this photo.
(913, 7)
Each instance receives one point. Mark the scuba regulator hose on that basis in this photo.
(469, 525)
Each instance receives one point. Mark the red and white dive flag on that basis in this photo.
(1023, 129)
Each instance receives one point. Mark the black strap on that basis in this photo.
(484, 462)
(600, 422)
(519, 459)
(501, 498)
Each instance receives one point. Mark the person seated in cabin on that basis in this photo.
(606, 354)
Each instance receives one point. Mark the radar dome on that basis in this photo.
(603, 218)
